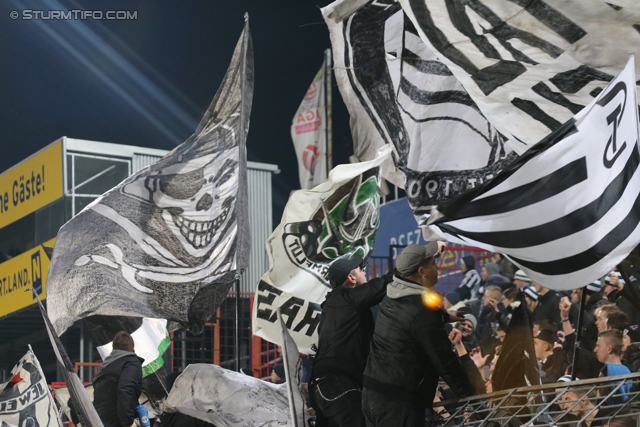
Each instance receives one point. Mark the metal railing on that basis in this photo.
(576, 403)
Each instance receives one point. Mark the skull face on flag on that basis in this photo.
(168, 242)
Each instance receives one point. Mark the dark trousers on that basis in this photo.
(337, 400)
(383, 411)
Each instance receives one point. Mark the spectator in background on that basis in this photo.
(547, 307)
(531, 297)
(521, 280)
(278, 375)
(551, 355)
(467, 327)
(471, 280)
(608, 351)
(507, 268)
(451, 299)
(118, 386)
(486, 331)
(613, 291)
(588, 366)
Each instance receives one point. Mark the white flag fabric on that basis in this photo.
(337, 218)
(293, 374)
(529, 65)
(229, 399)
(400, 94)
(25, 399)
(567, 211)
(309, 133)
(169, 241)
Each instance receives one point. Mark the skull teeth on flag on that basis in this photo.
(167, 242)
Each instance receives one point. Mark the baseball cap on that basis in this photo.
(340, 269)
(412, 256)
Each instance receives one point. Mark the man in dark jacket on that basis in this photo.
(410, 349)
(118, 386)
(344, 333)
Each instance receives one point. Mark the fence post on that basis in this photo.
(237, 325)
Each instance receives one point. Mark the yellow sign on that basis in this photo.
(31, 184)
(27, 270)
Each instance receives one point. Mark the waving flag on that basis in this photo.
(169, 241)
(309, 133)
(25, 399)
(399, 93)
(337, 218)
(567, 211)
(529, 65)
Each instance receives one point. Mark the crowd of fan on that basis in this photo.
(610, 338)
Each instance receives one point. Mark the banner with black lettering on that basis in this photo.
(167, 242)
(567, 211)
(336, 218)
(530, 66)
(399, 93)
(25, 399)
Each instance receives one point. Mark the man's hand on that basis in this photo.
(478, 360)
(455, 316)
(493, 303)
(565, 307)
(455, 336)
(441, 246)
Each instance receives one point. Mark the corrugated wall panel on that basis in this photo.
(260, 219)
(140, 161)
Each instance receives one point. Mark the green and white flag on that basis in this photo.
(339, 217)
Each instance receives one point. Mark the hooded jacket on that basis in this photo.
(117, 388)
(410, 349)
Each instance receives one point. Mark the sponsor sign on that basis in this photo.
(31, 184)
(27, 270)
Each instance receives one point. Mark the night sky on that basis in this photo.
(147, 81)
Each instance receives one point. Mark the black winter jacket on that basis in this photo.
(345, 329)
(117, 388)
(410, 349)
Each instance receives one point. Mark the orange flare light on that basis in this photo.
(432, 300)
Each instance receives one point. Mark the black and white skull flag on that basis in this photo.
(567, 211)
(25, 399)
(168, 241)
(399, 93)
(339, 217)
(529, 65)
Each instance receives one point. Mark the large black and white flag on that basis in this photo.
(339, 217)
(169, 241)
(25, 400)
(399, 93)
(567, 211)
(529, 65)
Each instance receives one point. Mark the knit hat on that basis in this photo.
(614, 273)
(469, 261)
(594, 286)
(492, 268)
(564, 379)
(547, 335)
(531, 292)
(521, 275)
(279, 370)
(413, 255)
(453, 297)
(471, 318)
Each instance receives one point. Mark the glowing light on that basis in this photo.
(432, 300)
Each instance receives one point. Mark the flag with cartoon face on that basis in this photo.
(25, 399)
(338, 218)
(168, 241)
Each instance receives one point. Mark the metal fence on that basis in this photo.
(579, 403)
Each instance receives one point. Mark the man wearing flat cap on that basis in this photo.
(410, 349)
(344, 333)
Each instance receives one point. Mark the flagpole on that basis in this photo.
(328, 108)
(576, 347)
